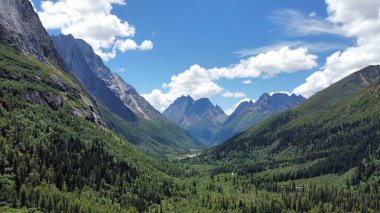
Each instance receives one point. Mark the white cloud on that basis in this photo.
(93, 22)
(312, 47)
(280, 92)
(146, 45)
(271, 63)
(248, 81)
(233, 94)
(271, 47)
(318, 47)
(312, 14)
(195, 81)
(120, 70)
(201, 82)
(299, 24)
(160, 100)
(359, 20)
(234, 106)
(129, 44)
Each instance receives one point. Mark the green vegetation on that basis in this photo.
(144, 135)
(323, 156)
(53, 160)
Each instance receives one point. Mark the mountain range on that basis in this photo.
(335, 129)
(65, 117)
(122, 108)
(210, 125)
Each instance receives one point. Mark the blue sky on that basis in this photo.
(215, 33)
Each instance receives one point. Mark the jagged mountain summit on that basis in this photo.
(21, 29)
(123, 109)
(249, 113)
(209, 123)
(200, 117)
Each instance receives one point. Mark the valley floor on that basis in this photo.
(208, 189)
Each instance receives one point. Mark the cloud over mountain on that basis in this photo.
(94, 22)
(359, 20)
(201, 82)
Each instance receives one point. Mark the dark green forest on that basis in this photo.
(322, 156)
(52, 160)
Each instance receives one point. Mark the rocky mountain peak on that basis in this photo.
(21, 29)
(244, 105)
(184, 99)
(98, 79)
(264, 96)
(201, 106)
(200, 118)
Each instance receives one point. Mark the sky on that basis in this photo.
(227, 50)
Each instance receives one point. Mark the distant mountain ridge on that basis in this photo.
(200, 118)
(249, 113)
(209, 123)
(335, 129)
(123, 109)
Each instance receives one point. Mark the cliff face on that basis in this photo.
(21, 29)
(98, 79)
(123, 108)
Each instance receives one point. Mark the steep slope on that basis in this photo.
(123, 109)
(54, 159)
(331, 132)
(55, 154)
(21, 28)
(179, 109)
(200, 118)
(248, 114)
(321, 156)
(51, 154)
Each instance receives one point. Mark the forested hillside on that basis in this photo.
(62, 151)
(55, 157)
(323, 154)
(320, 156)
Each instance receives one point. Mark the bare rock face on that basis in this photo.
(100, 82)
(21, 29)
(58, 83)
(139, 122)
(44, 98)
